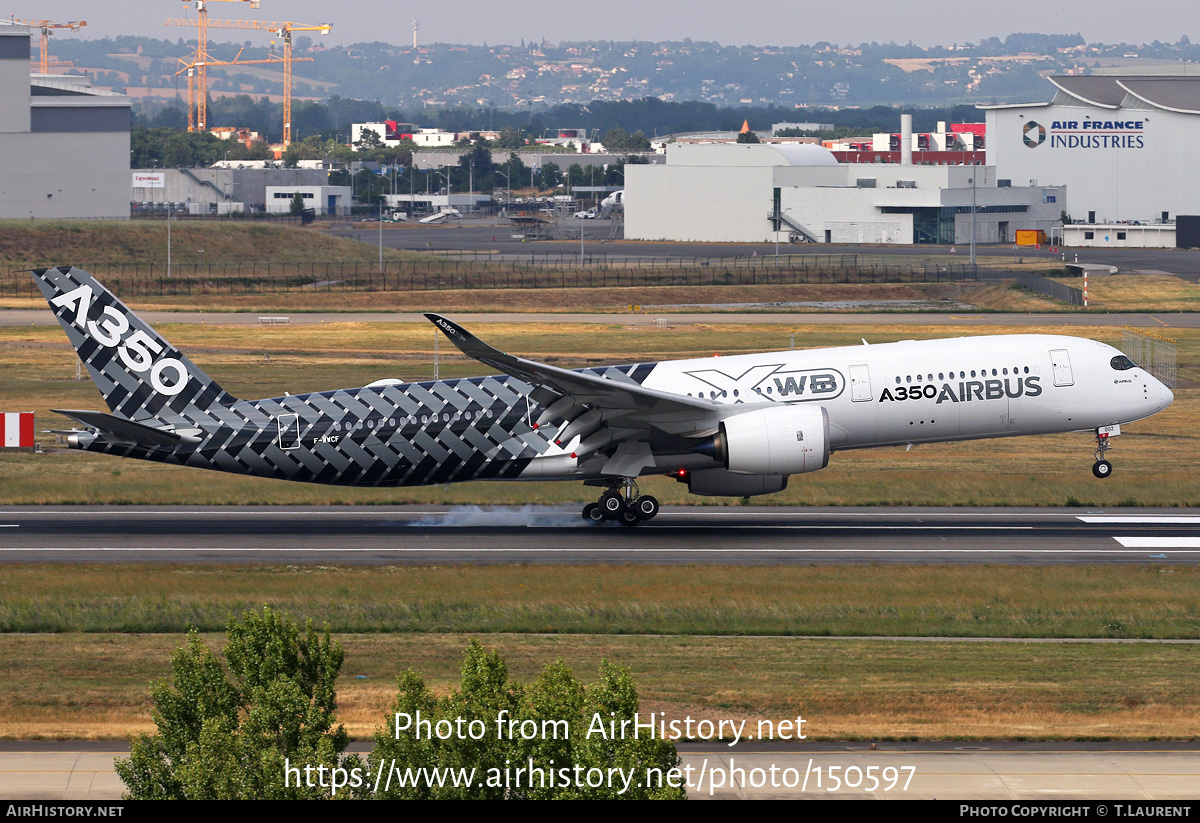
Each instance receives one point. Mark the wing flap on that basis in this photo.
(633, 405)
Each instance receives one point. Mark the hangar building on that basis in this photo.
(753, 193)
(1123, 145)
(65, 145)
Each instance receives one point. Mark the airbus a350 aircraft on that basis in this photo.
(738, 425)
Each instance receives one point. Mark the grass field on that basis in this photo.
(988, 601)
(29, 243)
(1139, 292)
(96, 686)
(662, 301)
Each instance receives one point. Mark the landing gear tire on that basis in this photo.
(611, 505)
(629, 517)
(645, 506)
(1102, 469)
(591, 512)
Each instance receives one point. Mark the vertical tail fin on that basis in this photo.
(137, 371)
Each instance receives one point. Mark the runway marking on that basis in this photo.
(883, 527)
(1140, 519)
(275, 512)
(1159, 542)
(606, 550)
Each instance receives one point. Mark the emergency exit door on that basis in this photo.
(860, 383)
(289, 431)
(1061, 362)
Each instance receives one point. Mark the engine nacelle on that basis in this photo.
(724, 483)
(784, 440)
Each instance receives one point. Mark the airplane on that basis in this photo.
(616, 200)
(728, 426)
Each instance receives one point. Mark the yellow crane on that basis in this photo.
(45, 26)
(201, 60)
(191, 69)
(283, 31)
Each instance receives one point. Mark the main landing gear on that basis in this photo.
(630, 508)
(1102, 468)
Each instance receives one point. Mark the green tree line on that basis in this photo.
(259, 722)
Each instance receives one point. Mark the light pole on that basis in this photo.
(974, 172)
(508, 190)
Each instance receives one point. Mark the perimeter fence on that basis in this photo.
(1153, 352)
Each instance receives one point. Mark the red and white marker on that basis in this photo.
(16, 429)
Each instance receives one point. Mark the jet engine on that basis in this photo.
(783, 440)
(724, 483)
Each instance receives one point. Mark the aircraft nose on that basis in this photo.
(1168, 397)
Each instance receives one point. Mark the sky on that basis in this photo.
(793, 22)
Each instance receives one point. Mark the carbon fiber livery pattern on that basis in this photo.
(395, 434)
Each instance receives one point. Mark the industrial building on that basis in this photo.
(322, 199)
(65, 144)
(757, 193)
(227, 190)
(1123, 145)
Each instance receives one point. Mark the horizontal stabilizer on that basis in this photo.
(118, 428)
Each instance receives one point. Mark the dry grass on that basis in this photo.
(84, 686)
(936, 601)
(1140, 292)
(26, 244)
(661, 300)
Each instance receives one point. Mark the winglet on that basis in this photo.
(471, 345)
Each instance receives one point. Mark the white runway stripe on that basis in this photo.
(1142, 519)
(1159, 542)
(606, 550)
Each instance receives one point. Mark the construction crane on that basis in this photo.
(45, 26)
(283, 31)
(191, 69)
(201, 59)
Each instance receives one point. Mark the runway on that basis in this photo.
(542, 535)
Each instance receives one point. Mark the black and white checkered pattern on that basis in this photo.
(393, 434)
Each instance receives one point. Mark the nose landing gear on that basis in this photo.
(1102, 468)
(630, 508)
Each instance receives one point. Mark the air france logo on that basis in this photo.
(1034, 134)
(967, 390)
(136, 350)
(770, 382)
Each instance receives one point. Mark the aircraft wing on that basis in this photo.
(626, 410)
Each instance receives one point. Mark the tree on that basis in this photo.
(226, 732)
(564, 714)
(747, 137)
(297, 207)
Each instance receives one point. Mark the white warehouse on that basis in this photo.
(755, 193)
(64, 144)
(1123, 145)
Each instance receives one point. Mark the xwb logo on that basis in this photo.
(770, 382)
(1034, 134)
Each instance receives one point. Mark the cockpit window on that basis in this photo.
(1121, 363)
